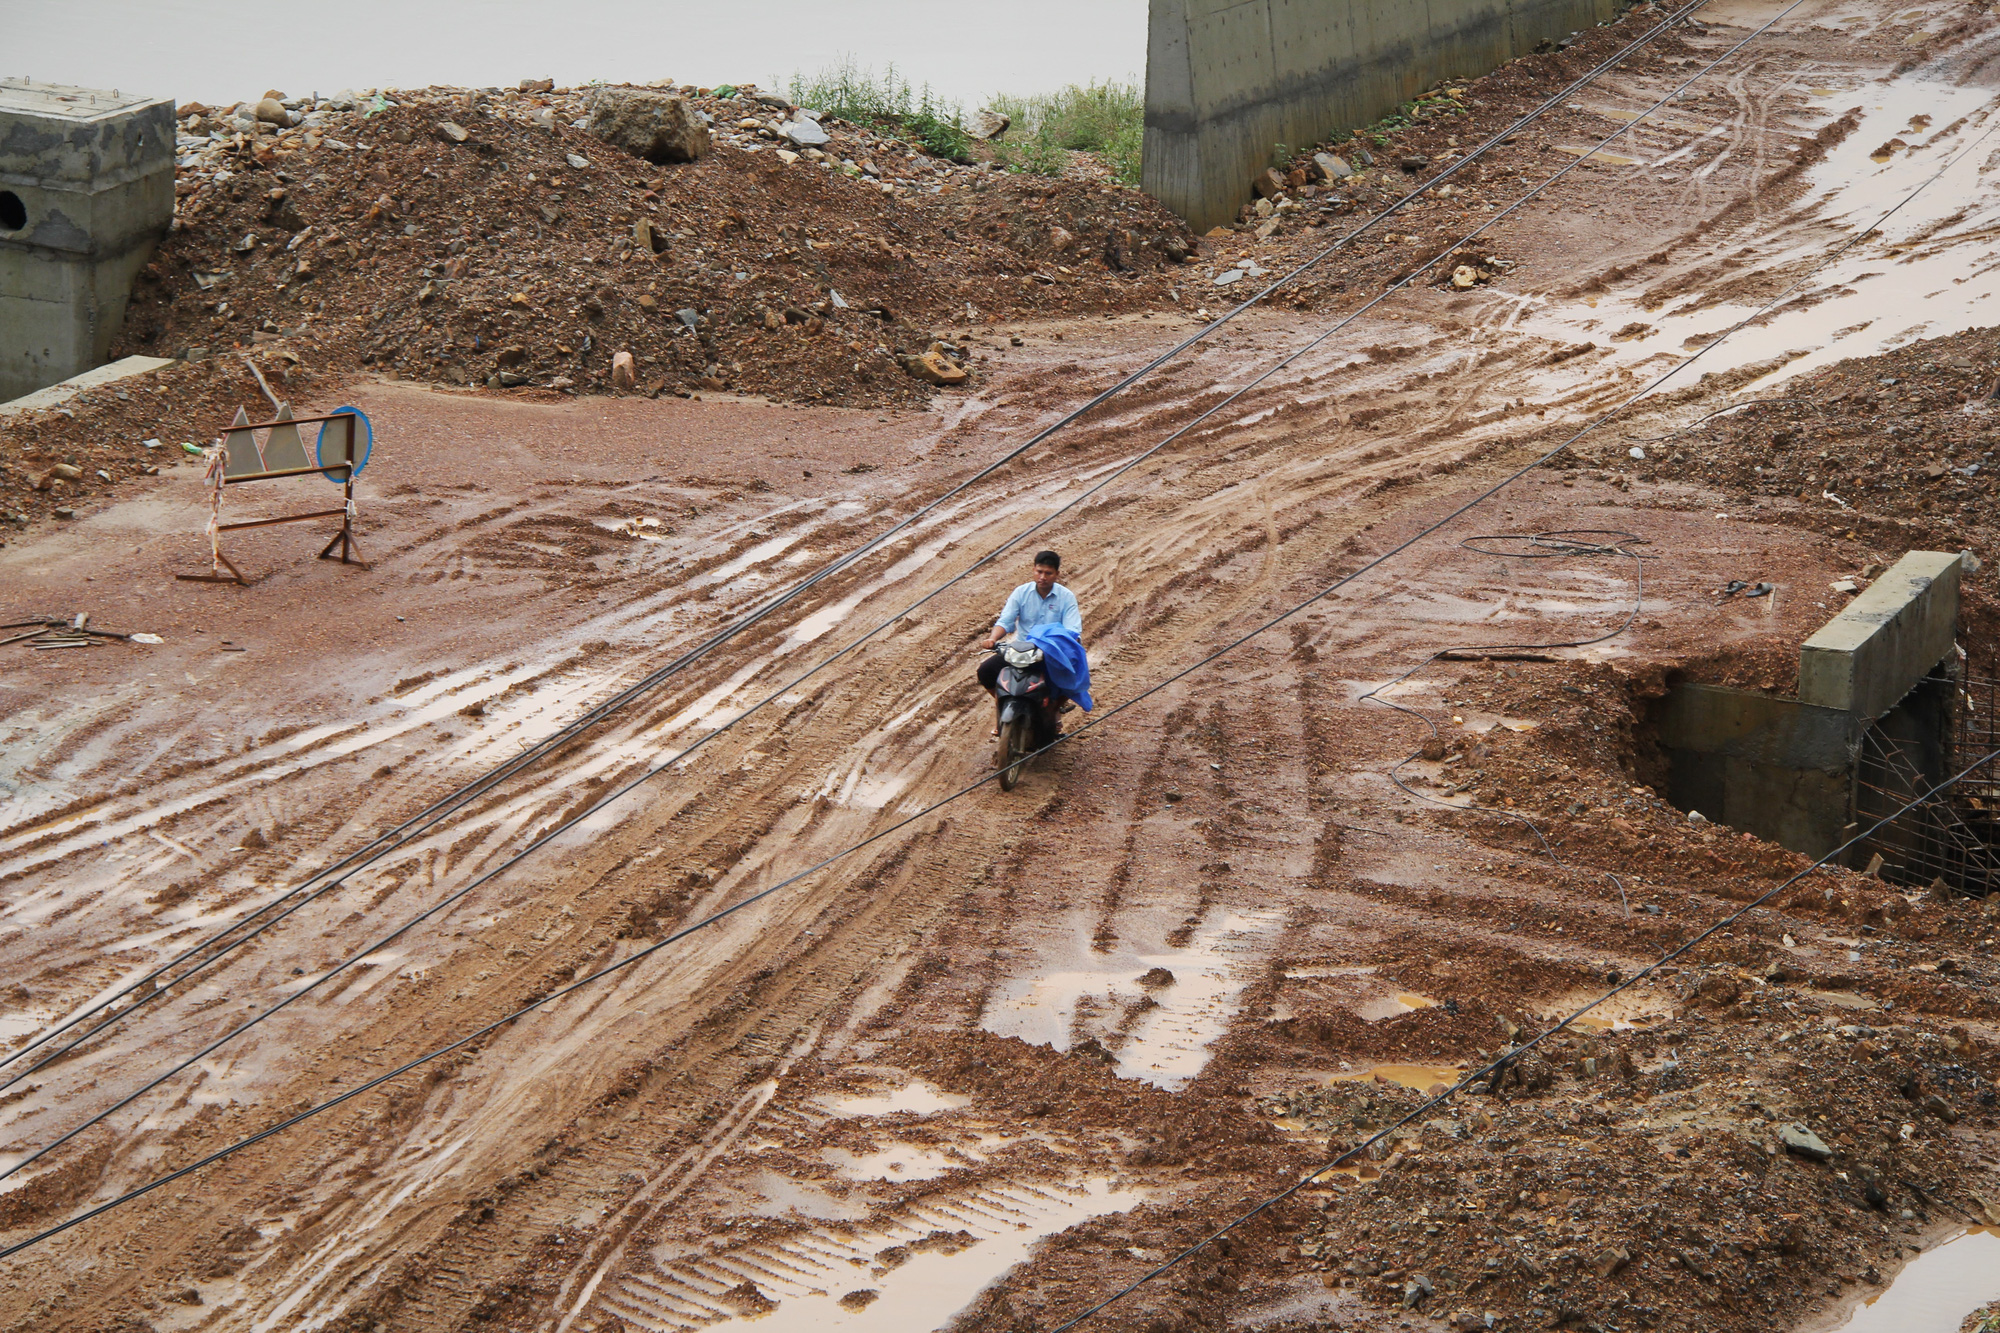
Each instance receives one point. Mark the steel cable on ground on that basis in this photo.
(724, 913)
(1496, 1067)
(149, 987)
(1408, 278)
(1560, 543)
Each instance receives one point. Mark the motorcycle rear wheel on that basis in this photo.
(1013, 749)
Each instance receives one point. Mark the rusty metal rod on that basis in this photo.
(284, 472)
(289, 518)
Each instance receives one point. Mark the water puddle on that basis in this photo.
(1392, 1006)
(1312, 972)
(1625, 1012)
(1936, 1290)
(1933, 269)
(914, 1098)
(908, 1276)
(1356, 1172)
(900, 1161)
(756, 555)
(1419, 1078)
(1158, 1026)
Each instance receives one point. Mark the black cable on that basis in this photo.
(1513, 1053)
(1407, 279)
(560, 829)
(718, 916)
(395, 839)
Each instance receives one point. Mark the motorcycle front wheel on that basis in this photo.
(1013, 747)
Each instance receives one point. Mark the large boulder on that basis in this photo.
(659, 127)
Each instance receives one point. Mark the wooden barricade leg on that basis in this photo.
(217, 469)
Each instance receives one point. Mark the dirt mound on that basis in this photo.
(1898, 448)
(473, 237)
(118, 434)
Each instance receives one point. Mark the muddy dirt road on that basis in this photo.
(1196, 947)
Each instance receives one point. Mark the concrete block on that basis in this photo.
(1762, 764)
(56, 395)
(1868, 657)
(86, 190)
(1226, 80)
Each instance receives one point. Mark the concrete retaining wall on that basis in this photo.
(1226, 80)
(1776, 767)
(1873, 652)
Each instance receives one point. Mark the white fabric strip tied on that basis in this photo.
(218, 457)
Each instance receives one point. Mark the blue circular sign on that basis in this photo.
(332, 445)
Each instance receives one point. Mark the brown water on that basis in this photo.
(1420, 1077)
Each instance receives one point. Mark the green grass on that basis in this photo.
(1107, 118)
(885, 101)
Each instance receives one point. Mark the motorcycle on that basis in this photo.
(1029, 712)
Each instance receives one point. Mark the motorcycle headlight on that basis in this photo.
(1020, 655)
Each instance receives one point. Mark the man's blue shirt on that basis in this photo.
(1027, 609)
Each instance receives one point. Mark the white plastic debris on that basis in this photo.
(1636, 451)
(147, 638)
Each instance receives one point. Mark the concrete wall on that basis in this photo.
(1226, 80)
(86, 189)
(1771, 766)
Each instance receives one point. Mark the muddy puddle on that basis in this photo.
(910, 1275)
(1156, 1012)
(914, 1098)
(1628, 1011)
(1935, 1291)
(1932, 269)
(1421, 1078)
(1392, 1006)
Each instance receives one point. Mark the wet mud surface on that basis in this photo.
(986, 1071)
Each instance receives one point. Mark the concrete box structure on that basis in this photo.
(1226, 80)
(1867, 657)
(86, 190)
(1787, 769)
(1772, 766)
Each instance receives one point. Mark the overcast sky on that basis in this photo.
(224, 50)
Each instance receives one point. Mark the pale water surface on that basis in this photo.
(209, 50)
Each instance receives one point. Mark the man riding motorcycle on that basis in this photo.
(1041, 604)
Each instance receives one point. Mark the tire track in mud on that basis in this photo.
(786, 1000)
(835, 709)
(874, 698)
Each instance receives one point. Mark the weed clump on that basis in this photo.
(1107, 118)
(887, 101)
